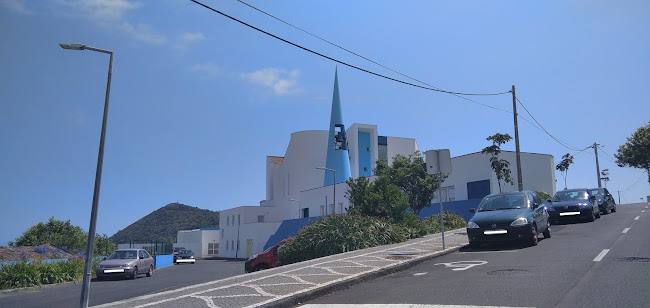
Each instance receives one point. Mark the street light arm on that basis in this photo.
(79, 46)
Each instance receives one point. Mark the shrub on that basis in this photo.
(341, 233)
(24, 274)
(452, 221)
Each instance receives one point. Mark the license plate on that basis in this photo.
(493, 232)
(569, 213)
(114, 271)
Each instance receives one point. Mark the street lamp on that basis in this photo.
(328, 169)
(98, 175)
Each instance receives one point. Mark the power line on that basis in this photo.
(610, 157)
(564, 144)
(341, 62)
(637, 181)
(362, 57)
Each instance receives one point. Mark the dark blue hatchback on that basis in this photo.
(514, 216)
(572, 204)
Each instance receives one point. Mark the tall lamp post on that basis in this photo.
(332, 170)
(98, 175)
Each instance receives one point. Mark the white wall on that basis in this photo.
(538, 172)
(258, 232)
(403, 146)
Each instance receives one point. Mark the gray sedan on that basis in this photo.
(125, 263)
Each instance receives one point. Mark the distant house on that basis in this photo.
(204, 242)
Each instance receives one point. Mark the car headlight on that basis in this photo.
(472, 225)
(252, 257)
(522, 221)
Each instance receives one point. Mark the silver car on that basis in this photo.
(125, 263)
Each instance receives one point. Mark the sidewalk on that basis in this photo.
(291, 284)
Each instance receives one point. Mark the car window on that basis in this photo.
(570, 195)
(145, 254)
(117, 255)
(596, 192)
(503, 202)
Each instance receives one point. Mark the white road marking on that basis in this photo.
(637, 218)
(625, 230)
(496, 251)
(462, 265)
(643, 211)
(396, 306)
(601, 255)
(419, 274)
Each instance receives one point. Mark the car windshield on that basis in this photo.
(186, 252)
(502, 202)
(570, 195)
(124, 254)
(596, 192)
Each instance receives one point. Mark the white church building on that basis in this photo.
(309, 180)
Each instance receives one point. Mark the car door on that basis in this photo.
(539, 212)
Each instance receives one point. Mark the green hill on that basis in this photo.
(162, 224)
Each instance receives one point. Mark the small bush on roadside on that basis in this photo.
(452, 221)
(24, 274)
(341, 233)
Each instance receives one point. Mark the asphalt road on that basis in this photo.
(168, 278)
(598, 264)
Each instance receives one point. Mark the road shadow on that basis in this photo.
(500, 246)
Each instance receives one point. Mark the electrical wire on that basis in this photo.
(344, 63)
(610, 157)
(362, 57)
(564, 144)
(637, 182)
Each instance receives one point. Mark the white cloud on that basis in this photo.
(281, 81)
(18, 6)
(192, 37)
(143, 33)
(207, 67)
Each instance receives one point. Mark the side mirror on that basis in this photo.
(549, 201)
(535, 205)
(472, 210)
(104, 258)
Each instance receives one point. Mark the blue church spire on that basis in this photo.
(337, 144)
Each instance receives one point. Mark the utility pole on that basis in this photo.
(597, 166)
(520, 182)
(619, 197)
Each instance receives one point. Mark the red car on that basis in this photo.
(266, 259)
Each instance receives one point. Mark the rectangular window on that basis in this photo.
(260, 218)
(227, 220)
(213, 248)
(222, 232)
(227, 246)
(305, 212)
(232, 245)
(239, 219)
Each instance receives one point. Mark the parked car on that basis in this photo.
(184, 256)
(175, 252)
(573, 203)
(265, 260)
(604, 199)
(514, 216)
(126, 263)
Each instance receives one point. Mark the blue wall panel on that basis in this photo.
(365, 159)
(287, 229)
(161, 261)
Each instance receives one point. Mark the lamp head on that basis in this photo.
(73, 46)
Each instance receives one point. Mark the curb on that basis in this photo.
(342, 285)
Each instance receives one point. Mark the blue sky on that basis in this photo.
(198, 100)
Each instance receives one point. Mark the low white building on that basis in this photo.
(204, 242)
(472, 176)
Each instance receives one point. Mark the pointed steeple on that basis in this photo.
(337, 146)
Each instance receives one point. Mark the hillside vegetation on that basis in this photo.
(162, 224)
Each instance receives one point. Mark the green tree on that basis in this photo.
(380, 198)
(636, 151)
(410, 175)
(103, 245)
(563, 166)
(56, 232)
(499, 166)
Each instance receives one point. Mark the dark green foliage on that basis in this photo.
(543, 195)
(162, 224)
(340, 233)
(410, 175)
(103, 245)
(499, 166)
(55, 232)
(23, 274)
(636, 151)
(563, 166)
(379, 199)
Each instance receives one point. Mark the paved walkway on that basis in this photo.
(291, 284)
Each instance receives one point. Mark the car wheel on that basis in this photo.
(261, 266)
(547, 233)
(533, 239)
(150, 272)
(135, 273)
(592, 217)
(614, 208)
(597, 214)
(607, 211)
